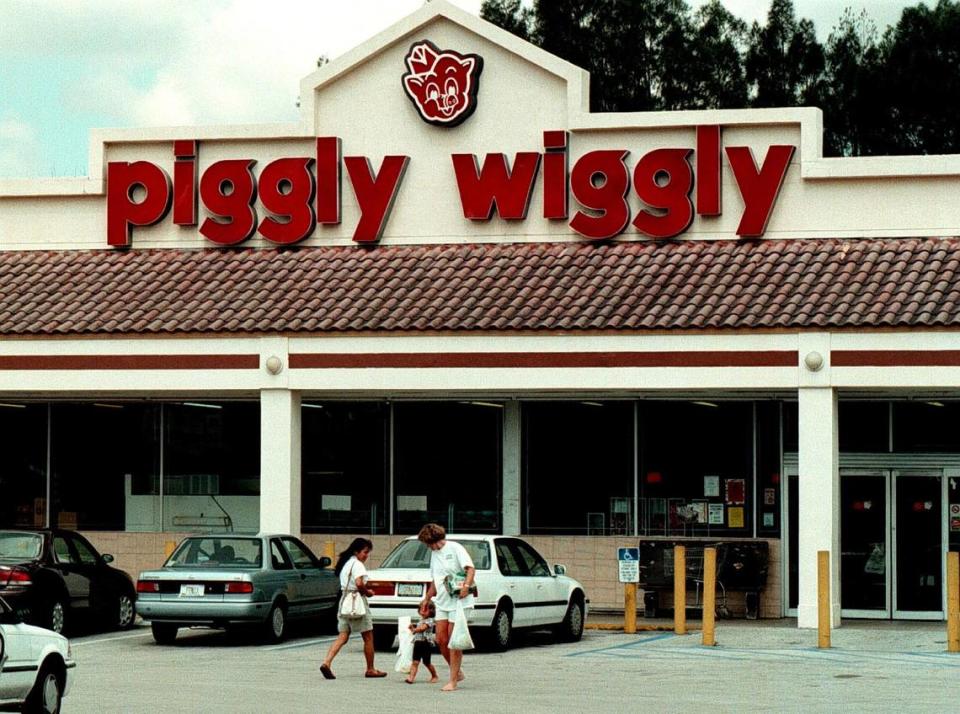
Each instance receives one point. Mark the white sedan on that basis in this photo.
(516, 589)
(34, 665)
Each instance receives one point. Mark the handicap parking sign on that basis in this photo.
(628, 560)
(628, 554)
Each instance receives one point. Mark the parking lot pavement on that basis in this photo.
(756, 667)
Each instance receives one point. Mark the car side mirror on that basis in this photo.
(560, 569)
(324, 562)
(106, 558)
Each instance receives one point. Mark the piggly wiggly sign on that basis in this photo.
(442, 84)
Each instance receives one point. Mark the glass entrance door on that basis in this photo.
(864, 551)
(918, 537)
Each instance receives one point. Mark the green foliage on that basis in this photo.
(900, 94)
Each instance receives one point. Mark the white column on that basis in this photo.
(511, 468)
(280, 461)
(819, 496)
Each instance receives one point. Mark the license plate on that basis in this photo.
(191, 590)
(410, 589)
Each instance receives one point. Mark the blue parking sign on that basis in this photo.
(628, 554)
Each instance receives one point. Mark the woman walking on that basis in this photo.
(353, 578)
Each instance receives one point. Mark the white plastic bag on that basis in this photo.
(460, 638)
(405, 652)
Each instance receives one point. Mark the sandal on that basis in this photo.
(375, 673)
(326, 672)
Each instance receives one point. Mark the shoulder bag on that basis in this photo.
(352, 604)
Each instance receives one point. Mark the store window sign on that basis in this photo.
(297, 193)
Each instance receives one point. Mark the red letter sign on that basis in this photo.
(671, 196)
(496, 187)
(600, 182)
(286, 189)
(122, 211)
(759, 189)
(228, 189)
(375, 194)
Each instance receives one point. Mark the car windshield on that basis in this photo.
(20, 546)
(414, 554)
(216, 552)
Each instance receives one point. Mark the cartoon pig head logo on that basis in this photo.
(442, 84)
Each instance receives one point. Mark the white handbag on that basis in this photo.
(352, 604)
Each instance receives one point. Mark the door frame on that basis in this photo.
(944, 544)
(887, 612)
(890, 464)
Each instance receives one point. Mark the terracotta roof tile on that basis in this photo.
(797, 284)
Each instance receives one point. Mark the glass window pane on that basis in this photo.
(211, 478)
(926, 426)
(299, 554)
(97, 451)
(534, 564)
(507, 560)
(344, 463)
(697, 468)
(23, 465)
(447, 466)
(864, 426)
(84, 551)
(768, 469)
(567, 445)
(61, 550)
(278, 558)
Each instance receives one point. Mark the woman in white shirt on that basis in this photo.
(449, 560)
(353, 577)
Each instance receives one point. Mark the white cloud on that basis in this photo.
(19, 148)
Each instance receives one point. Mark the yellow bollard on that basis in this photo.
(630, 608)
(680, 590)
(823, 599)
(709, 596)
(168, 548)
(330, 550)
(953, 602)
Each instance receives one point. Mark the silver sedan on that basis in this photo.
(225, 580)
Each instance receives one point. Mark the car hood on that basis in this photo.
(39, 632)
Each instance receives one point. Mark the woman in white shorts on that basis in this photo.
(353, 577)
(448, 560)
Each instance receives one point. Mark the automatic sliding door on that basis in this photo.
(918, 535)
(864, 562)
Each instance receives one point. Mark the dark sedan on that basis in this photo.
(52, 576)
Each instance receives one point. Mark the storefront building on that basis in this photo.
(452, 293)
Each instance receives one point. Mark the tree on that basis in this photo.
(784, 61)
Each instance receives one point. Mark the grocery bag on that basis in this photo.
(460, 638)
(405, 652)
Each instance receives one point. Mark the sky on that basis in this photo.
(67, 66)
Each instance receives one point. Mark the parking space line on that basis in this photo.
(297, 645)
(635, 643)
(127, 636)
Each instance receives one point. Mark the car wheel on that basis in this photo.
(53, 616)
(501, 629)
(275, 626)
(163, 634)
(124, 613)
(47, 693)
(383, 638)
(570, 628)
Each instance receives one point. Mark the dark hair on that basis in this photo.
(354, 548)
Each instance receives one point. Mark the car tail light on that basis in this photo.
(381, 587)
(15, 577)
(148, 586)
(235, 588)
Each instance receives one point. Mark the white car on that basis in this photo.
(35, 665)
(516, 589)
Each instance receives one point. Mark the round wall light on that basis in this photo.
(274, 365)
(813, 361)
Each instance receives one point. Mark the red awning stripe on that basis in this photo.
(895, 358)
(121, 362)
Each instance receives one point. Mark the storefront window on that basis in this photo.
(447, 465)
(211, 466)
(696, 474)
(23, 464)
(97, 451)
(578, 467)
(926, 426)
(344, 461)
(863, 426)
(769, 494)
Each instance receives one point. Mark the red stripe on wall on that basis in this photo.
(84, 362)
(895, 358)
(420, 360)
